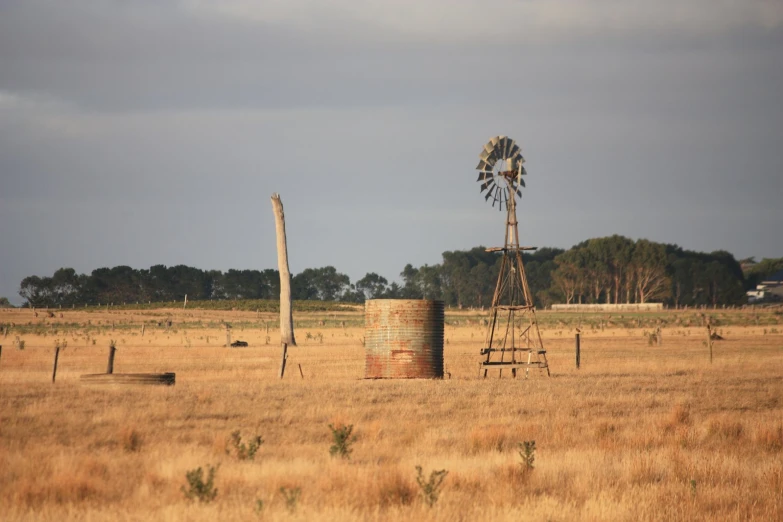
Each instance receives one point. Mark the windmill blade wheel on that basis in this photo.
(500, 171)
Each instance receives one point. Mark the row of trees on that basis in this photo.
(619, 270)
(159, 283)
(123, 284)
(611, 269)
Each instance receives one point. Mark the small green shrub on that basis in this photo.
(198, 489)
(342, 440)
(527, 451)
(291, 497)
(244, 451)
(430, 489)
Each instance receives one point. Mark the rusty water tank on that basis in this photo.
(403, 339)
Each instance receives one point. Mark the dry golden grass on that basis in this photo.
(638, 433)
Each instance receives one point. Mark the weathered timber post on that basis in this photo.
(301, 374)
(185, 304)
(578, 352)
(1, 351)
(282, 363)
(709, 340)
(142, 329)
(228, 336)
(286, 313)
(54, 368)
(110, 367)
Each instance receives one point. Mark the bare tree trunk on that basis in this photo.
(286, 313)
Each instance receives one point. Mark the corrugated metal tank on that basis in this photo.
(403, 339)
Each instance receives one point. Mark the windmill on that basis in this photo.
(513, 340)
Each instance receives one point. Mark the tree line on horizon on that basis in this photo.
(613, 269)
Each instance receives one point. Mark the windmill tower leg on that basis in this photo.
(513, 328)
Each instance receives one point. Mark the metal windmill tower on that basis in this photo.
(513, 340)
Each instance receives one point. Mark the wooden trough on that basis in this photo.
(167, 379)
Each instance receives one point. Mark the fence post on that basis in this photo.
(285, 356)
(578, 351)
(56, 356)
(110, 367)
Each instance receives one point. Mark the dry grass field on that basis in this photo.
(639, 433)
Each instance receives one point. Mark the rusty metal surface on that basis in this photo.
(403, 339)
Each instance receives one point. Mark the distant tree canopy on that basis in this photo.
(611, 269)
(123, 284)
(755, 273)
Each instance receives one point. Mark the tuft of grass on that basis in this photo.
(725, 429)
(493, 437)
(395, 489)
(770, 437)
(680, 416)
(131, 440)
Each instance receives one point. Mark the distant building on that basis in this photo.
(770, 289)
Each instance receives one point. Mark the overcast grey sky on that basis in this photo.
(144, 132)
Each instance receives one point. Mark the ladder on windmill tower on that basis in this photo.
(513, 339)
